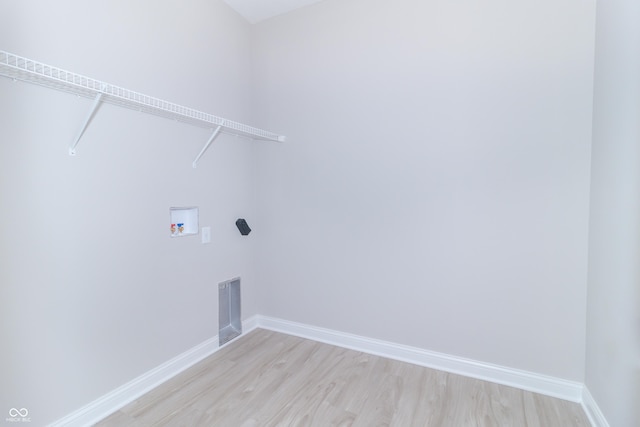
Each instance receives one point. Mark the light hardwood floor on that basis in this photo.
(266, 378)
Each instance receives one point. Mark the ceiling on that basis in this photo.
(258, 10)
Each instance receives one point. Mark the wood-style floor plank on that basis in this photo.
(268, 379)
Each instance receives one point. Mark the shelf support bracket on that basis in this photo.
(206, 146)
(92, 112)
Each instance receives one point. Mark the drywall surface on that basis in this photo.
(93, 290)
(613, 321)
(434, 187)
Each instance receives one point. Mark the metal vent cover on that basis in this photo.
(229, 314)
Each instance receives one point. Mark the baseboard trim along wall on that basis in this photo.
(127, 393)
(595, 415)
(550, 386)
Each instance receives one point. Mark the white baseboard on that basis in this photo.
(596, 417)
(127, 393)
(250, 324)
(549, 386)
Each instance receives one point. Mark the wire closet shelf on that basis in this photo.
(28, 70)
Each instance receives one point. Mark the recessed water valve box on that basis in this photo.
(184, 221)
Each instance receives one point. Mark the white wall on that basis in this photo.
(93, 291)
(613, 321)
(434, 187)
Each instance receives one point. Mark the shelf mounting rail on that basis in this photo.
(28, 70)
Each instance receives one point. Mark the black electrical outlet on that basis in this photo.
(243, 226)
